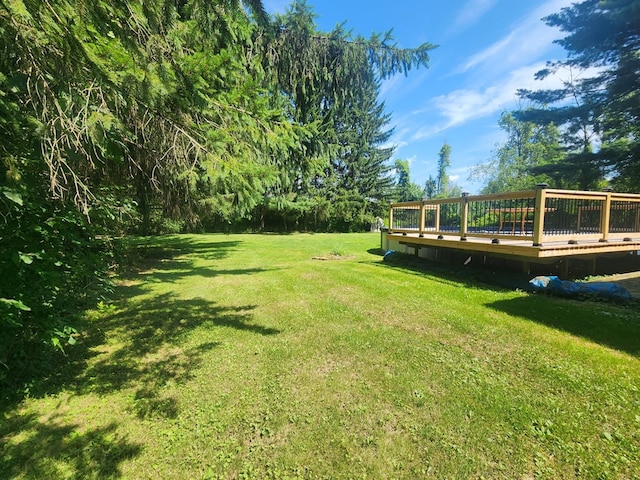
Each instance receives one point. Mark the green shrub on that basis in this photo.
(53, 267)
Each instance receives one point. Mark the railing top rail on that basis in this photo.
(549, 192)
(553, 191)
(502, 196)
(601, 196)
(470, 198)
(625, 196)
(415, 204)
(430, 201)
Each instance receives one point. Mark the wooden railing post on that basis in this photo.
(390, 218)
(464, 216)
(605, 217)
(538, 214)
(422, 211)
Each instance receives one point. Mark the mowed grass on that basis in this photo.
(243, 356)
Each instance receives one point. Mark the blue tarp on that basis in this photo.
(388, 254)
(567, 287)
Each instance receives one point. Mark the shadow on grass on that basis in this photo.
(134, 348)
(152, 334)
(617, 328)
(136, 254)
(458, 273)
(171, 272)
(168, 259)
(48, 448)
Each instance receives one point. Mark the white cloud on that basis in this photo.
(401, 133)
(471, 13)
(428, 131)
(523, 44)
(507, 65)
(390, 84)
(489, 53)
(401, 84)
(462, 105)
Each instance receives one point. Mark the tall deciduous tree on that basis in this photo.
(519, 163)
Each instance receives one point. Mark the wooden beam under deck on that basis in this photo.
(518, 249)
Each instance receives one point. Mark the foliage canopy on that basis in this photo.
(170, 115)
(599, 114)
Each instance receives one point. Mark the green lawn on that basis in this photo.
(243, 356)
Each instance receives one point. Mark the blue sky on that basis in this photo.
(487, 50)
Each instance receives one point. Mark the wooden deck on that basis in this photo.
(516, 248)
(539, 226)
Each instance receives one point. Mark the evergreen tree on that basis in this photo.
(332, 83)
(107, 108)
(580, 119)
(406, 190)
(444, 162)
(358, 181)
(430, 188)
(157, 99)
(605, 108)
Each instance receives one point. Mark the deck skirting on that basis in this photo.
(562, 258)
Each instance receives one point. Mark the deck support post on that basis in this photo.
(605, 217)
(391, 219)
(538, 214)
(422, 211)
(564, 267)
(592, 265)
(464, 215)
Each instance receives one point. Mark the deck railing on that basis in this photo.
(540, 215)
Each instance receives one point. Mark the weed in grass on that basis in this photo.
(105, 308)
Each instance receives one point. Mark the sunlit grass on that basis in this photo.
(245, 357)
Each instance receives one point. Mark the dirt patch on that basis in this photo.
(333, 257)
